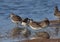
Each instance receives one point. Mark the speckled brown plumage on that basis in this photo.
(44, 23)
(39, 25)
(16, 18)
(57, 12)
(34, 24)
(25, 20)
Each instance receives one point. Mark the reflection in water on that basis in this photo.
(43, 35)
(57, 30)
(35, 9)
(19, 32)
(16, 32)
(15, 19)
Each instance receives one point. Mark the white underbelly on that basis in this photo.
(37, 28)
(24, 24)
(15, 21)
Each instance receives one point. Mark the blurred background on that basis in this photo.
(35, 9)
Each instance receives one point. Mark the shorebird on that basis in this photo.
(38, 25)
(15, 18)
(44, 23)
(34, 25)
(57, 12)
(43, 35)
(25, 22)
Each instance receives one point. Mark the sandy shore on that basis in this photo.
(53, 23)
(43, 40)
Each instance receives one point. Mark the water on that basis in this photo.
(35, 9)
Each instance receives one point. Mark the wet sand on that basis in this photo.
(43, 40)
(53, 23)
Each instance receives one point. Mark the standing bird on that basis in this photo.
(43, 35)
(34, 25)
(57, 12)
(38, 25)
(15, 19)
(25, 22)
(44, 23)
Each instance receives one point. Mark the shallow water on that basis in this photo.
(35, 9)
